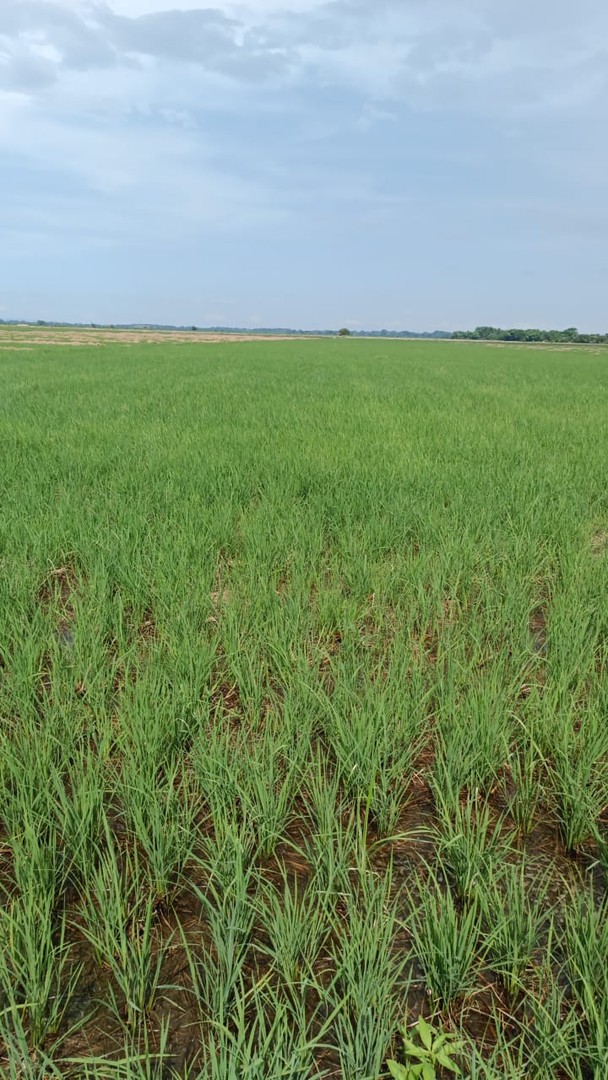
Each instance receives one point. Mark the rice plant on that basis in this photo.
(470, 845)
(118, 916)
(515, 909)
(581, 776)
(526, 768)
(37, 979)
(160, 816)
(260, 1042)
(553, 1034)
(368, 977)
(445, 942)
(78, 811)
(586, 947)
(270, 785)
(374, 751)
(293, 921)
(216, 969)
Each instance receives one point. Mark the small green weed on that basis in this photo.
(426, 1050)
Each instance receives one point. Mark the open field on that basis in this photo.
(26, 336)
(303, 709)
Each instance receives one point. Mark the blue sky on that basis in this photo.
(416, 164)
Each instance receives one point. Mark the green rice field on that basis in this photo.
(303, 710)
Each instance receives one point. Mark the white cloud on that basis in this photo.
(249, 12)
(474, 55)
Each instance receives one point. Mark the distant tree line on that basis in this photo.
(282, 331)
(495, 333)
(480, 333)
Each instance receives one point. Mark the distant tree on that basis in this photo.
(344, 332)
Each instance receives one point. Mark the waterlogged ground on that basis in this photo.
(303, 708)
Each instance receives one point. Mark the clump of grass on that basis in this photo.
(445, 941)
(143, 1058)
(586, 948)
(216, 969)
(471, 746)
(36, 978)
(78, 811)
(293, 921)
(515, 909)
(261, 1041)
(118, 916)
(581, 776)
(330, 846)
(161, 817)
(552, 1040)
(375, 752)
(270, 783)
(369, 978)
(469, 845)
(527, 769)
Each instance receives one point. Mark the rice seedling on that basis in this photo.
(374, 751)
(269, 786)
(330, 847)
(515, 910)
(472, 744)
(445, 942)
(527, 769)
(586, 949)
(228, 851)
(34, 760)
(294, 925)
(118, 920)
(581, 776)
(17, 1060)
(553, 1034)
(218, 761)
(144, 1058)
(161, 817)
(78, 813)
(469, 846)
(368, 977)
(507, 1058)
(260, 1042)
(36, 977)
(216, 970)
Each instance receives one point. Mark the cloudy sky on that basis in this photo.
(417, 164)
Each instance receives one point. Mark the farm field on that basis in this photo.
(303, 710)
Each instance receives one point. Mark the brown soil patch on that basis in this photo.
(425, 641)
(60, 585)
(147, 630)
(538, 630)
(599, 542)
(56, 594)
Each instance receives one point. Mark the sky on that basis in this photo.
(398, 164)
